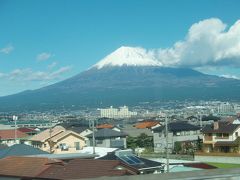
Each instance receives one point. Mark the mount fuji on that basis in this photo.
(126, 76)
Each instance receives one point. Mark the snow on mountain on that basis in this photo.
(129, 56)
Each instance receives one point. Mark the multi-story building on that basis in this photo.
(226, 109)
(122, 112)
(221, 136)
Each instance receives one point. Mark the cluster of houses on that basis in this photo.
(103, 151)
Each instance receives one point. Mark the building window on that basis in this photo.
(236, 134)
(225, 135)
(77, 145)
(64, 147)
(99, 141)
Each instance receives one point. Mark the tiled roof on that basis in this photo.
(106, 133)
(64, 134)
(26, 130)
(134, 132)
(146, 124)
(78, 129)
(10, 134)
(24, 166)
(146, 162)
(178, 126)
(44, 135)
(199, 165)
(88, 168)
(223, 127)
(20, 150)
(103, 126)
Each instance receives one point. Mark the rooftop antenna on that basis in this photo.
(201, 124)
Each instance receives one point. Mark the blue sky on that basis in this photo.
(43, 42)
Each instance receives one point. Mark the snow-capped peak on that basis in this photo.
(129, 56)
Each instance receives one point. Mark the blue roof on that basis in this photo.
(20, 150)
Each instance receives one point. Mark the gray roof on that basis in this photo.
(20, 150)
(177, 127)
(66, 156)
(134, 132)
(106, 133)
(77, 129)
(223, 127)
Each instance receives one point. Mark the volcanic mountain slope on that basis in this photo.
(127, 76)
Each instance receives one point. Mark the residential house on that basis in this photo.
(88, 168)
(108, 126)
(14, 167)
(108, 138)
(147, 124)
(82, 130)
(12, 136)
(221, 136)
(58, 140)
(43, 168)
(29, 131)
(145, 166)
(134, 132)
(20, 150)
(179, 131)
(105, 126)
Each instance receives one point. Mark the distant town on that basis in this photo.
(150, 137)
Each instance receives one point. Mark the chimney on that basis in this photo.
(215, 125)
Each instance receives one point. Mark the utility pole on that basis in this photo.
(50, 139)
(15, 118)
(167, 153)
(201, 120)
(92, 125)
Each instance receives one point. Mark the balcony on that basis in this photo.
(222, 137)
(208, 138)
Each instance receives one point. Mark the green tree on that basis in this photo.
(144, 141)
(177, 147)
(131, 142)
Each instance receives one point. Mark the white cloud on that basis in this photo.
(57, 73)
(230, 76)
(2, 75)
(43, 56)
(208, 42)
(52, 65)
(28, 74)
(7, 50)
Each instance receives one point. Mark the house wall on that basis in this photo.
(70, 141)
(159, 139)
(108, 142)
(232, 137)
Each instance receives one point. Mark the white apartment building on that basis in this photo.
(225, 109)
(122, 112)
